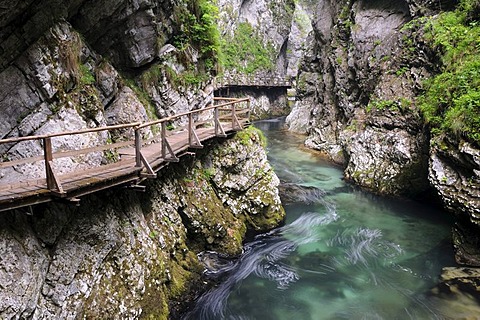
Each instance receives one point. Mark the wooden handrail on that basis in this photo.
(176, 116)
(65, 154)
(67, 133)
(52, 180)
(253, 80)
(224, 99)
(138, 125)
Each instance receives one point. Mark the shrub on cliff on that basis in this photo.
(199, 32)
(451, 103)
(246, 52)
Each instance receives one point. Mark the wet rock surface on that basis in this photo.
(291, 193)
(460, 287)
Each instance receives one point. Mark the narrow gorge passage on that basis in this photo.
(342, 254)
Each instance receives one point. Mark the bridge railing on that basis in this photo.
(255, 80)
(234, 111)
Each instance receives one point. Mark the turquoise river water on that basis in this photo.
(342, 254)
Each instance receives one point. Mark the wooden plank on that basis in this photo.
(33, 182)
(102, 181)
(90, 177)
(7, 193)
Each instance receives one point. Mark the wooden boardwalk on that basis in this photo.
(138, 159)
(255, 80)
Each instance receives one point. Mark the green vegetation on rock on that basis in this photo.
(142, 96)
(86, 75)
(451, 103)
(251, 134)
(398, 104)
(198, 32)
(246, 52)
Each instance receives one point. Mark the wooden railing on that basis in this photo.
(234, 111)
(253, 80)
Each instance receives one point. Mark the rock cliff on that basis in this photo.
(358, 93)
(68, 65)
(98, 58)
(133, 255)
(267, 38)
(68, 78)
(356, 89)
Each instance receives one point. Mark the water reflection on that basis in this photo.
(343, 254)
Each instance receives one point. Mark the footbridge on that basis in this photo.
(231, 80)
(135, 160)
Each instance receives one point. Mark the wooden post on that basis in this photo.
(190, 128)
(249, 110)
(215, 120)
(138, 148)
(164, 140)
(53, 183)
(47, 152)
(233, 116)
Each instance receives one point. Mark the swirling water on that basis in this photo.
(342, 254)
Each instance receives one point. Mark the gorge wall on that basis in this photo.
(133, 255)
(81, 64)
(357, 58)
(69, 65)
(264, 39)
(359, 93)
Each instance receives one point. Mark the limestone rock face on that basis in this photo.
(246, 181)
(70, 65)
(52, 95)
(353, 106)
(127, 32)
(299, 31)
(272, 21)
(363, 68)
(283, 25)
(387, 160)
(131, 254)
(61, 84)
(455, 174)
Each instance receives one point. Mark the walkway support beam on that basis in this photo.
(219, 131)
(166, 146)
(47, 152)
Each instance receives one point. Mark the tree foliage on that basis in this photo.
(198, 33)
(246, 52)
(451, 103)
